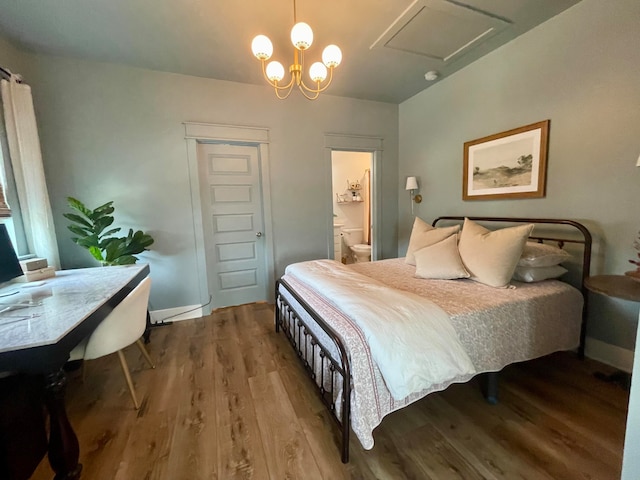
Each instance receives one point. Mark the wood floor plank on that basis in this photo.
(224, 324)
(581, 377)
(321, 435)
(388, 460)
(252, 329)
(147, 452)
(287, 451)
(150, 444)
(299, 386)
(428, 451)
(193, 451)
(489, 457)
(559, 402)
(527, 435)
(240, 453)
(229, 400)
(570, 441)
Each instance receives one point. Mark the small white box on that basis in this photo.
(33, 264)
(41, 274)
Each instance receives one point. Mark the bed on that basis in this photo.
(320, 306)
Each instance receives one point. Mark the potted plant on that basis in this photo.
(91, 226)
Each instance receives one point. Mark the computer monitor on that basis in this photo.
(9, 265)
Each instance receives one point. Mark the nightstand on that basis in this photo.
(618, 286)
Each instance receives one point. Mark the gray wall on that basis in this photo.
(581, 70)
(110, 132)
(11, 57)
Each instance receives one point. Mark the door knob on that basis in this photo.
(258, 234)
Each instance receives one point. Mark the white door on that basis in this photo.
(233, 223)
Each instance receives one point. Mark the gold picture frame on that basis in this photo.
(511, 164)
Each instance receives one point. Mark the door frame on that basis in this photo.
(235, 135)
(357, 143)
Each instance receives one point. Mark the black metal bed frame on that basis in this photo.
(315, 356)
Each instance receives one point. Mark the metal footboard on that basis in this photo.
(331, 377)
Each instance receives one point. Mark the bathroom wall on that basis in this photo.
(348, 166)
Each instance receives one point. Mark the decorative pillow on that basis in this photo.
(424, 235)
(541, 255)
(537, 274)
(441, 260)
(491, 255)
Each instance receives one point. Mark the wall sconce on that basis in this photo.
(412, 186)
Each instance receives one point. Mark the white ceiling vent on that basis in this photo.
(440, 29)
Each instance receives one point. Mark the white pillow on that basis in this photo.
(423, 235)
(441, 261)
(491, 255)
(537, 274)
(541, 255)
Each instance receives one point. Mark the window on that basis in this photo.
(4, 208)
(9, 207)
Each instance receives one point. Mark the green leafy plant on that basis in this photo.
(93, 233)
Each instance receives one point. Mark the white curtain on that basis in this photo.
(26, 160)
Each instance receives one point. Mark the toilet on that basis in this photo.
(361, 252)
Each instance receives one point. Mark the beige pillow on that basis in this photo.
(441, 261)
(541, 255)
(491, 256)
(424, 235)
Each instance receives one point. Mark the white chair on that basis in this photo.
(121, 328)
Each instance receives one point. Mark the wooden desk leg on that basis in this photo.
(63, 443)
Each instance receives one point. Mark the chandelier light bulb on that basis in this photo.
(332, 56)
(262, 47)
(275, 71)
(301, 36)
(318, 72)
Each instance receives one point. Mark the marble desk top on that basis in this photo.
(56, 305)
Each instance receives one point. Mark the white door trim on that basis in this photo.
(241, 135)
(356, 143)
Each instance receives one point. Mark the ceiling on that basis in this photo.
(387, 45)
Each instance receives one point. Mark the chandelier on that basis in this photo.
(302, 38)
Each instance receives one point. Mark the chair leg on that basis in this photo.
(127, 375)
(145, 353)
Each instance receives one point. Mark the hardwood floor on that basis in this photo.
(228, 400)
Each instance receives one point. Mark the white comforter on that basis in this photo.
(411, 339)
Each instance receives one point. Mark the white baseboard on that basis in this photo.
(617, 357)
(176, 314)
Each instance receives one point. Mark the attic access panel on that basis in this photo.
(440, 29)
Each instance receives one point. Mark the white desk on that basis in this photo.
(38, 339)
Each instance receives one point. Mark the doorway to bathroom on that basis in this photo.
(353, 192)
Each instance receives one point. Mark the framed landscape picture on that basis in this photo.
(510, 164)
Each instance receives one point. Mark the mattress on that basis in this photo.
(497, 326)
